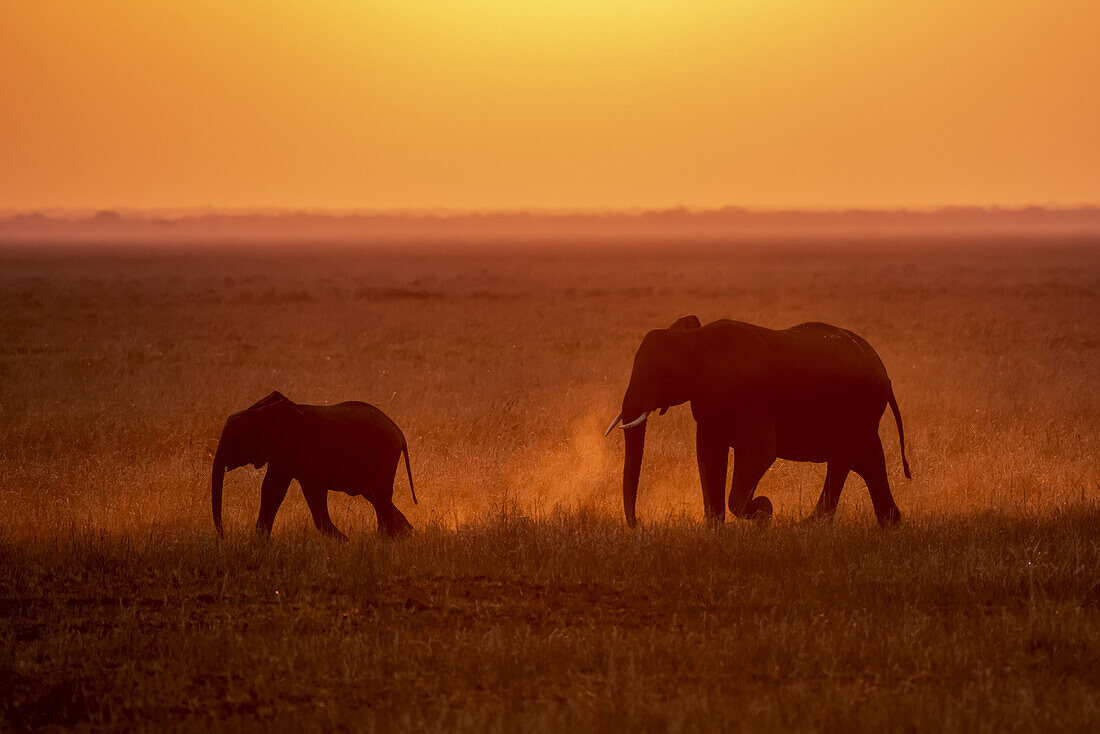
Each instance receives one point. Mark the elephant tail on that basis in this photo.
(901, 433)
(409, 471)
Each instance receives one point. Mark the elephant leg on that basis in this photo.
(713, 455)
(272, 493)
(390, 519)
(749, 465)
(317, 499)
(871, 465)
(830, 493)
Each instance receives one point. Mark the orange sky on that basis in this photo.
(548, 103)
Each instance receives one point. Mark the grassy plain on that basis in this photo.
(522, 602)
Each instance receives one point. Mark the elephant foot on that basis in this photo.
(890, 518)
(397, 526)
(759, 508)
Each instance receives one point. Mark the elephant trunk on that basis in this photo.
(217, 476)
(632, 468)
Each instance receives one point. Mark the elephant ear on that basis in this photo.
(685, 323)
(274, 423)
(273, 397)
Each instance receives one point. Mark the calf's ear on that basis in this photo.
(272, 398)
(684, 323)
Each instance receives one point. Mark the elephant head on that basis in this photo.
(251, 436)
(660, 379)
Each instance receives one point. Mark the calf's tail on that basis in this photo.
(408, 470)
(901, 433)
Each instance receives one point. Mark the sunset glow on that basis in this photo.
(505, 104)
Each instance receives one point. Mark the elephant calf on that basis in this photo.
(349, 447)
(814, 392)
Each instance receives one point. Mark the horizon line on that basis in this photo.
(429, 211)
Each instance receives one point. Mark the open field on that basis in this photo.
(523, 602)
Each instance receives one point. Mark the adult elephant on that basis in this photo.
(814, 392)
(349, 447)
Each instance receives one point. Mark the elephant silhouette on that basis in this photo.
(350, 447)
(814, 392)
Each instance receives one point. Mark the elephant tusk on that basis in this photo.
(614, 423)
(637, 421)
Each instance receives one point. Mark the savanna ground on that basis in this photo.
(522, 602)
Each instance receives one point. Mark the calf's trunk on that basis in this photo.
(217, 476)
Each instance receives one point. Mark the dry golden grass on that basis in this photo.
(522, 602)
